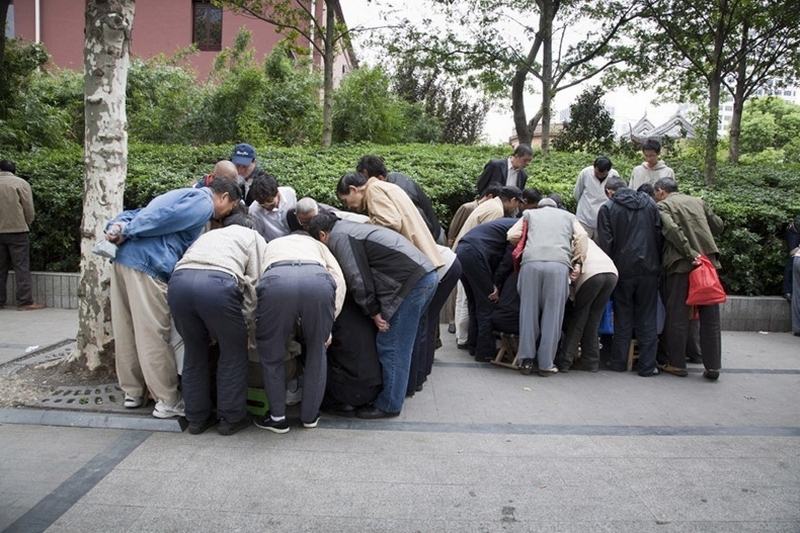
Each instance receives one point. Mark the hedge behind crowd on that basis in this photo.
(756, 202)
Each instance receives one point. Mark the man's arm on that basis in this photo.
(715, 224)
(604, 237)
(673, 233)
(26, 199)
(383, 212)
(490, 171)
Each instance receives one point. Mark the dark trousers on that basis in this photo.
(15, 253)
(676, 326)
(478, 285)
(286, 293)
(636, 309)
(584, 320)
(205, 305)
(425, 348)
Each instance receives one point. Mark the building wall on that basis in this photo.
(158, 26)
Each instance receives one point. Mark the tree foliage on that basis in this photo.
(590, 127)
(296, 19)
(445, 103)
(770, 122)
(505, 46)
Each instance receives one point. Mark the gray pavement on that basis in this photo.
(481, 448)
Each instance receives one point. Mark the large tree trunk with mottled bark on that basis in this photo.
(106, 60)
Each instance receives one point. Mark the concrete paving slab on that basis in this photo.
(481, 448)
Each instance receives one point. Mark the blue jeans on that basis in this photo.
(396, 345)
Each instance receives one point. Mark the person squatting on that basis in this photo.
(338, 310)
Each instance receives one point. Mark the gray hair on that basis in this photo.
(306, 206)
(547, 202)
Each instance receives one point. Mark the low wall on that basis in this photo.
(53, 289)
(739, 313)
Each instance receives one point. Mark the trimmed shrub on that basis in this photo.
(756, 202)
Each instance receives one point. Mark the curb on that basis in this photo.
(66, 418)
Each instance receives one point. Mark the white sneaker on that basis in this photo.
(163, 410)
(132, 402)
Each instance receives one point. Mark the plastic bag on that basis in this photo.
(704, 285)
(607, 321)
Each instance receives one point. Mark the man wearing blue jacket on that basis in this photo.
(151, 240)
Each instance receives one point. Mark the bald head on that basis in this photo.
(225, 169)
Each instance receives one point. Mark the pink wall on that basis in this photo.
(159, 26)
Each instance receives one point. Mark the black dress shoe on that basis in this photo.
(196, 428)
(340, 409)
(370, 412)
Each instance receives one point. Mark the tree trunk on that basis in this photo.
(327, 76)
(547, 73)
(711, 135)
(106, 61)
(524, 134)
(739, 96)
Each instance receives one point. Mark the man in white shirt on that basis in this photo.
(270, 205)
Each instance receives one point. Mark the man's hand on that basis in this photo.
(114, 233)
(495, 295)
(382, 325)
(575, 272)
(697, 261)
(330, 338)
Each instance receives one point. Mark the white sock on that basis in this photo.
(277, 418)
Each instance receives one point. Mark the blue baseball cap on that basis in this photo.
(243, 154)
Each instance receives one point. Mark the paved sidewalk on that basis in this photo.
(481, 448)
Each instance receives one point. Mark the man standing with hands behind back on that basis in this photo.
(16, 214)
(509, 171)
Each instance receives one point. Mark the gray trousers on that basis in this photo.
(796, 295)
(287, 293)
(543, 290)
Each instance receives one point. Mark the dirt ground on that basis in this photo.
(33, 382)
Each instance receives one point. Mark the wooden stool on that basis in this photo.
(507, 354)
(633, 353)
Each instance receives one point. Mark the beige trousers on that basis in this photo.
(140, 320)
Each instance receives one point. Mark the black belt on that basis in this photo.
(293, 262)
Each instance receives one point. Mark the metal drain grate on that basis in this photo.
(83, 397)
(60, 350)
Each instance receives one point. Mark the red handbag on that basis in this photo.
(516, 254)
(704, 285)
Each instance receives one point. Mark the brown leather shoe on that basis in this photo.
(674, 370)
(31, 307)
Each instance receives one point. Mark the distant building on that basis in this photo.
(677, 126)
(160, 27)
(536, 141)
(772, 87)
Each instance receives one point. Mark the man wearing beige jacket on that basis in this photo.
(16, 215)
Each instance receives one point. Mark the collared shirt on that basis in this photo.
(274, 222)
(511, 180)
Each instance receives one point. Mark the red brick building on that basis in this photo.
(159, 26)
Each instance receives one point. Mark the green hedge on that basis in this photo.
(756, 202)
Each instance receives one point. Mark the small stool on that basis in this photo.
(257, 404)
(633, 353)
(507, 353)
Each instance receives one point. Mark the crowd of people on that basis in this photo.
(248, 272)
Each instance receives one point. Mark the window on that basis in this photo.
(207, 31)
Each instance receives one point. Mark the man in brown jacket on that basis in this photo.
(16, 214)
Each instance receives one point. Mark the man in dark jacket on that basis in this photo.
(481, 252)
(508, 171)
(393, 283)
(629, 232)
